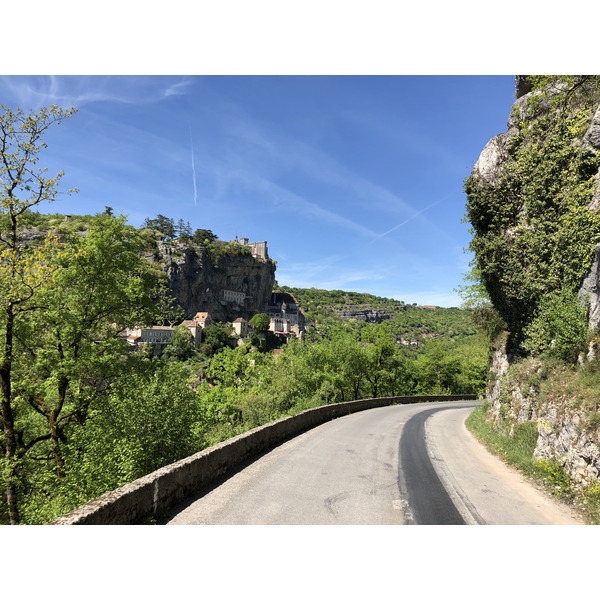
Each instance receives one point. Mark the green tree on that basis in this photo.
(261, 321)
(181, 347)
(164, 225)
(145, 420)
(378, 353)
(23, 269)
(203, 237)
(215, 337)
(559, 327)
(71, 347)
(184, 230)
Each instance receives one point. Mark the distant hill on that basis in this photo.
(408, 321)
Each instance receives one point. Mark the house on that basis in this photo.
(160, 335)
(196, 324)
(203, 319)
(286, 317)
(195, 330)
(231, 296)
(240, 326)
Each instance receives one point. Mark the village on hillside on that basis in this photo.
(286, 319)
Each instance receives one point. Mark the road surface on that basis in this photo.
(397, 465)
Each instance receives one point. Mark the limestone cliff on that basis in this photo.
(227, 287)
(533, 199)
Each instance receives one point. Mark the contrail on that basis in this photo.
(407, 220)
(193, 168)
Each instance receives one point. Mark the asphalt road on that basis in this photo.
(398, 465)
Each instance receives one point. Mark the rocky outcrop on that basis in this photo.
(563, 436)
(370, 315)
(235, 286)
(564, 428)
(590, 291)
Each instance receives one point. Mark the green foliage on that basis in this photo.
(515, 447)
(261, 321)
(203, 237)
(163, 225)
(181, 346)
(559, 327)
(218, 250)
(556, 477)
(215, 338)
(24, 268)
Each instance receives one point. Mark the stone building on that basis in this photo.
(258, 249)
(285, 315)
(160, 335)
(240, 327)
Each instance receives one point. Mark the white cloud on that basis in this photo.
(35, 92)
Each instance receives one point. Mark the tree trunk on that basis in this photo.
(8, 420)
(63, 385)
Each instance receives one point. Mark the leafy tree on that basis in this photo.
(261, 321)
(377, 355)
(71, 347)
(559, 327)
(23, 269)
(215, 337)
(181, 347)
(168, 307)
(203, 237)
(163, 225)
(184, 229)
(148, 419)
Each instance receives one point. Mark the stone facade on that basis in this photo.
(285, 315)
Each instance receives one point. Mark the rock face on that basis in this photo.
(236, 286)
(562, 437)
(590, 291)
(563, 428)
(370, 315)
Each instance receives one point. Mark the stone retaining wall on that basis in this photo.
(156, 493)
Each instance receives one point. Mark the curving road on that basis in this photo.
(404, 464)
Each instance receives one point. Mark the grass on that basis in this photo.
(516, 448)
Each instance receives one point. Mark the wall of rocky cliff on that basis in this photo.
(200, 286)
(565, 430)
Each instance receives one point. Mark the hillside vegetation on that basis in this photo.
(407, 321)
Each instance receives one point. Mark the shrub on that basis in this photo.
(559, 328)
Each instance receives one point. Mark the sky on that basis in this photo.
(354, 181)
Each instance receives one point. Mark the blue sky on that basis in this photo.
(355, 182)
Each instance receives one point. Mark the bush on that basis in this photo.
(559, 328)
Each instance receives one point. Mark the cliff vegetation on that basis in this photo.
(533, 205)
